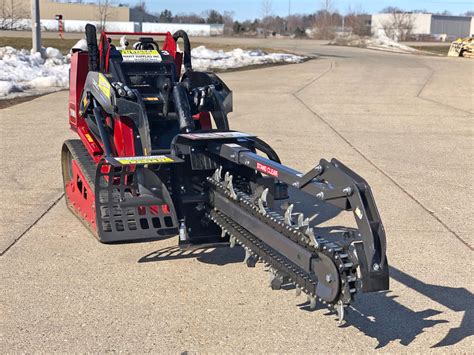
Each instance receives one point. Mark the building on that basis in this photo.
(425, 25)
(76, 11)
(114, 18)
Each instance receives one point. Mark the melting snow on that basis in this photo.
(23, 73)
(378, 41)
(206, 59)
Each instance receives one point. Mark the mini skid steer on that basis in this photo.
(156, 158)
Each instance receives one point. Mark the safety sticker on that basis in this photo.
(267, 170)
(151, 98)
(152, 159)
(358, 212)
(136, 55)
(104, 85)
(89, 138)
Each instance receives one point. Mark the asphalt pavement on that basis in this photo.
(403, 122)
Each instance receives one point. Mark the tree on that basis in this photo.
(444, 13)
(326, 19)
(237, 27)
(104, 12)
(267, 9)
(166, 16)
(469, 14)
(399, 26)
(358, 21)
(391, 10)
(11, 13)
(214, 17)
(228, 21)
(327, 6)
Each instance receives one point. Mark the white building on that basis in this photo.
(429, 24)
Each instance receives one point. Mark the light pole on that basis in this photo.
(36, 25)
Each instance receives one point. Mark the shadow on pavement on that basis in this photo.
(381, 317)
(217, 255)
(456, 299)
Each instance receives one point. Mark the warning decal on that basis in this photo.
(152, 159)
(136, 55)
(267, 170)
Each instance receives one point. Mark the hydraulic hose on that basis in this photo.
(103, 133)
(187, 48)
(92, 49)
(182, 108)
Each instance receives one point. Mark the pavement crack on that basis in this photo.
(55, 202)
(428, 80)
(316, 78)
(366, 158)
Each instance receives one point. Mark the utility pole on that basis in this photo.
(36, 25)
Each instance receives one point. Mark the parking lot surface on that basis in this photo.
(403, 122)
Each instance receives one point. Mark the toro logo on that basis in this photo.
(267, 170)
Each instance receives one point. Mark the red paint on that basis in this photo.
(267, 170)
(204, 120)
(81, 197)
(77, 78)
(138, 33)
(124, 137)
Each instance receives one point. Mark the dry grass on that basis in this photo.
(64, 45)
(439, 50)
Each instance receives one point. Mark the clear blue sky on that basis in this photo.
(249, 9)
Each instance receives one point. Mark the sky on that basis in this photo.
(250, 9)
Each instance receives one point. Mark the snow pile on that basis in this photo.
(379, 41)
(21, 71)
(206, 59)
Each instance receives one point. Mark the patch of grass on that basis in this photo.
(439, 50)
(4, 103)
(64, 45)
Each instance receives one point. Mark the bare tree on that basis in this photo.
(399, 26)
(104, 12)
(325, 20)
(358, 21)
(11, 13)
(327, 6)
(267, 9)
(228, 19)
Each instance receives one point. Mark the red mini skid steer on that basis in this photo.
(156, 158)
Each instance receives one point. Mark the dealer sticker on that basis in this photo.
(137, 55)
(152, 159)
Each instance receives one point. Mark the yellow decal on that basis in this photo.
(151, 99)
(104, 85)
(358, 213)
(89, 138)
(136, 55)
(139, 52)
(156, 159)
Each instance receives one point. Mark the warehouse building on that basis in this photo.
(74, 17)
(427, 25)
